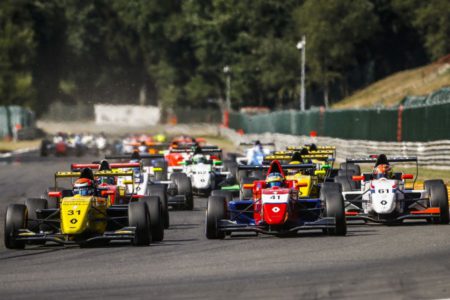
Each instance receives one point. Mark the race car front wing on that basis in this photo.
(232, 226)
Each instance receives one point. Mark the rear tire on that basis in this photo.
(334, 207)
(226, 194)
(351, 166)
(346, 182)
(184, 187)
(156, 220)
(331, 186)
(161, 175)
(139, 217)
(437, 191)
(246, 193)
(231, 166)
(161, 192)
(215, 212)
(15, 219)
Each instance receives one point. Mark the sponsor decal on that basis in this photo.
(276, 209)
(73, 221)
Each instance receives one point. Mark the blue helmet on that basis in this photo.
(274, 179)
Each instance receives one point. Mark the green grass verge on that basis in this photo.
(7, 146)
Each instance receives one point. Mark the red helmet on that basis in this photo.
(83, 187)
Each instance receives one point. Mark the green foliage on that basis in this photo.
(113, 50)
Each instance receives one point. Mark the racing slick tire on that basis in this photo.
(156, 220)
(161, 192)
(139, 217)
(161, 175)
(246, 193)
(438, 198)
(356, 169)
(15, 219)
(334, 207)
(230, 166)
(226, 194)
(346, 182)
(32, 205)
(215, 211)
(184, 187)
(334, 186)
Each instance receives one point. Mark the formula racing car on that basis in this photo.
(275, 207)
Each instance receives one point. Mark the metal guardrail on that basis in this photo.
(435, 154)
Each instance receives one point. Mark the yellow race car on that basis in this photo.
(307, 180)
(84, 218)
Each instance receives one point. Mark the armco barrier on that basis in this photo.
(427, 122)
(434, 154)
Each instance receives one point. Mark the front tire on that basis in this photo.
(437, 192)
(226, 194)
(334, 207)
(156, 221)
(184, 187)
(161, 192)
(15, 219)
(214, 213)
(34, 204)
(139, 217)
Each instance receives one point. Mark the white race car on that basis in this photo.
(385, 199)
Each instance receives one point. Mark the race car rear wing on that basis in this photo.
(298, 148)
(373, 160)
(306, 156)
(311, 152)
(265, 167)
(252, 144)
(96, 174)
(203, 150)
(130, 156)
(77, 167)
(190, 145)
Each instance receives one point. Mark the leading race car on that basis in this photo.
(384, 198)
(275, 207)
(85, 216)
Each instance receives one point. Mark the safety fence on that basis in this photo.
(424, 120)
(434, 154)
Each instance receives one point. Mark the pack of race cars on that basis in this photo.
(127, 195)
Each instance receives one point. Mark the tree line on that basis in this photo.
(173, 52)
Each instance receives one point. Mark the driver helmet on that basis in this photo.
(382, 170)
(83, 187)
(293, 171)
(199, 158)
(274, 179)
(136, 170)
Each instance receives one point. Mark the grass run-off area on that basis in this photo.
(392, 89)
(7, 146)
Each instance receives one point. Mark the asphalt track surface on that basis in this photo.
(371, 262)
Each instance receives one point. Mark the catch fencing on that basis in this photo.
(418, 119)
